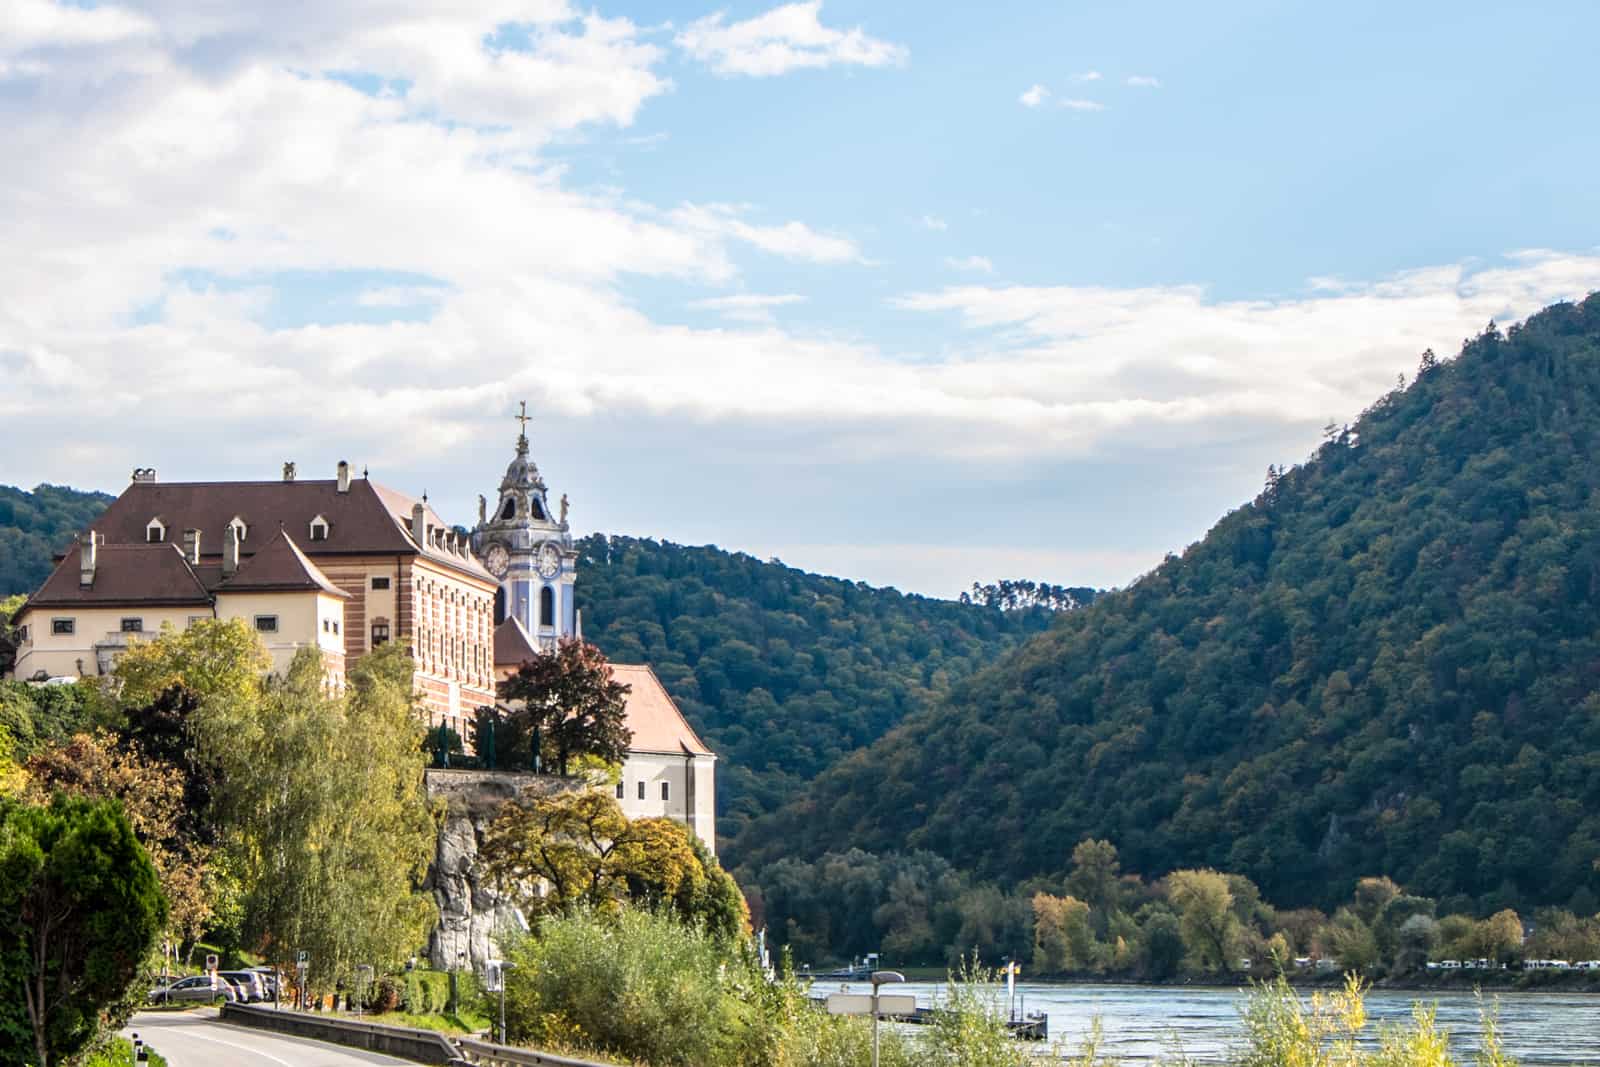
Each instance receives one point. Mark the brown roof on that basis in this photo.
(280, 566)
(368, 520)
(512, 645)
(124, 575)
(656, 722)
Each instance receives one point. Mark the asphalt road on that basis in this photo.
(200, 1039)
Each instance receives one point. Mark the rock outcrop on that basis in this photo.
(472, 914)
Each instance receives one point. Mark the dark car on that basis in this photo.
(197, 989)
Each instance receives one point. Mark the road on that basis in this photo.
(200, 1039)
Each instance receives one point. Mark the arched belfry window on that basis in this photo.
(547, 607)
(509, 511)
(537, 508)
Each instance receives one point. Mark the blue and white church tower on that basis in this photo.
(529, 548)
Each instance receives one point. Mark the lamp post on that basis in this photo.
(880, 978)
(504, 967)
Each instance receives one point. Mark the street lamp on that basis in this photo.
(496, 971)
(880, 978)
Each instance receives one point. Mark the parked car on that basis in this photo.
(253, 990)
(197, 989)
(269, 979)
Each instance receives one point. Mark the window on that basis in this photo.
(537, 508)
(547, 607)
(510, 509)
(619, 790)
(266, 624)
(319, 529)
(325, 628)
(380, 583)
(196, 618)
(641, 790)
(155, 533)
(380, 634)
(239, 528)
(666, 790)
(63, 627)
(22, 634)
(133, 626)
(335, 625)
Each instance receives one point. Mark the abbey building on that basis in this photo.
(344, 565)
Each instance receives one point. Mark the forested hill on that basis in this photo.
(34, 526)
(784, 672)
(1388, 663)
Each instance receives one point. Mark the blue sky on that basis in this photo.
(918, 294)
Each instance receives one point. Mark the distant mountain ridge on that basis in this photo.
(1387, 663)
(36, 525)
(782, 672)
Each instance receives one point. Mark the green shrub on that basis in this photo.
(385, 995)
(426, 992)
(118, 1052)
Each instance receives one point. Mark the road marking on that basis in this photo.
(218, 1041)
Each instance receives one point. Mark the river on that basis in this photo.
(1141, 1023)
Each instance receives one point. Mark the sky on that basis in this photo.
(916, 294)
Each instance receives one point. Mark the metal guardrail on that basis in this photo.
(481, 1052)
(423, 1046)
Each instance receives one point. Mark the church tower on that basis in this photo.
(530, 551)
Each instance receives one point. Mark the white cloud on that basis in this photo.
(787, 38)
(396, 296)
(1082, 105)
(975, 263)
(1087, 76)
(933, 222)
(790, 240)
(1144, 81)
(747, 307)
(1033, 96)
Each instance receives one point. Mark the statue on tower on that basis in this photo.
(563, 509)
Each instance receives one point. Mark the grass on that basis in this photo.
(463, 1022)
(119, 1053)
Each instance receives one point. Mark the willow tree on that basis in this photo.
(326, 816)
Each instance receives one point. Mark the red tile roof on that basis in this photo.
(124, 575)
(653, 716)
(370, 519)
(512, 645)
(280, 566)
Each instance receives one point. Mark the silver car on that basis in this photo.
(197, 989)
(253, 986)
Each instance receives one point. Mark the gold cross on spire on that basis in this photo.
(523, 419)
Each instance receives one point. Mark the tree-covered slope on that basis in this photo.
(783, 672)
(34, 526)
(1389, 662)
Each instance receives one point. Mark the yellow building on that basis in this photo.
(342, 565)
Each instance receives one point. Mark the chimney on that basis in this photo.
(144, 474)
(191, 546)
(288, 471)
(419, 525)
(88, 554)
(230, 550)
(344, 477)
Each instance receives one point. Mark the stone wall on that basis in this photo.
(471, 912)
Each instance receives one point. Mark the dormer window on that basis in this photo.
(319, 529)
(240, 529)
(156, 532)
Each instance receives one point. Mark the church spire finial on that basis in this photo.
(523, 418)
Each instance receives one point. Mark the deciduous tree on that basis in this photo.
(1205, 916)
(569, 700)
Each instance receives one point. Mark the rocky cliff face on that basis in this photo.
(472, 914)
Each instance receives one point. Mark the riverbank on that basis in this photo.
(1461, 981)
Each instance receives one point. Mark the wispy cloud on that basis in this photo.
(1033, 96)
(790, 240)
(971, 263)
(791, 37)
(1087, 76)
(1144, 81)
(747, 307)
(934, 222)
(1081, 105)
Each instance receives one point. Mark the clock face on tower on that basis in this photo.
(497, 559)
(549, 560)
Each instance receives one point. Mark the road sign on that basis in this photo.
(302, 958)
(493, 979)
(861, 1004)
(211, 961)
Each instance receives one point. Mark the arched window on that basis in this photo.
(509, 511)
(499, 605)
(156, 532)
(536, 507)
(547, 607)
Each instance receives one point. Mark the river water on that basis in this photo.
(1142, 1024)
